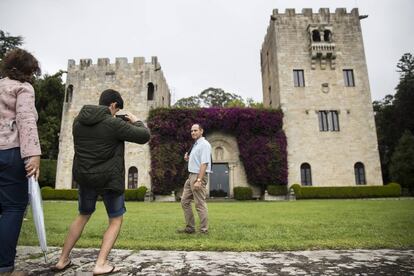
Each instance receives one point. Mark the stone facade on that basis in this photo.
(142, 86)
(328, 47)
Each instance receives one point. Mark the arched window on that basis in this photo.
(305, 174)
(69, 93)
(132, 178)
(150, 94)
(359, 170)
(327, 36)
(316, 36)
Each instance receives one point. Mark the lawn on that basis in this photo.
(241, 226)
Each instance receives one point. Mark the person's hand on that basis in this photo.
(131, 117)
(197, 185)
(186, 157)
(33, 166)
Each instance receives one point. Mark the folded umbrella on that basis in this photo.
(36, 202)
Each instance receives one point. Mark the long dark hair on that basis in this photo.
(20, 65)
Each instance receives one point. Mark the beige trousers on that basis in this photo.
(199, 196)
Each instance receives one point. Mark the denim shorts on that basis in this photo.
(114, 202)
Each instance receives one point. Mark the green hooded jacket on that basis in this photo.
(99, 148)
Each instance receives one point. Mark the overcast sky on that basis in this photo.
(199, 43)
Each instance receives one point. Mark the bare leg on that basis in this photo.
(75, 231)
(108, 241)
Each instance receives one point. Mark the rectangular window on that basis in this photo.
(349, 77)
(323, 120)
(328, 120)
(298, 78)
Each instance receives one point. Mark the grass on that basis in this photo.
(244, 226)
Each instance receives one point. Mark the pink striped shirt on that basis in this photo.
(18, 117)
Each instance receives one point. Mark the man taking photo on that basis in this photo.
(99, 169)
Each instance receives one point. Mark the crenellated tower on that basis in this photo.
(314, 68)
(142, 86)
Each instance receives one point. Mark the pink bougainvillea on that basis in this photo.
(259, 134)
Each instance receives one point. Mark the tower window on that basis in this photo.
(316, 36)
(298, 78)
(327, 36)
(69, 93)
(349, 77)
(270, 95)
(328, 120)
(150, 94)
(305, 174)
(359, 170)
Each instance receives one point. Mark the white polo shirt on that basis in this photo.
(200, 154)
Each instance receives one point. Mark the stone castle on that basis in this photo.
(142, 86)
(313, 68)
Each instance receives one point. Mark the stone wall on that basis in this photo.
(288, 45)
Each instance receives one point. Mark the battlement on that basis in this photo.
(105, 62)
(323, 13)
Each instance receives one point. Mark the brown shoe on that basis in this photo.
(204, 232)
(186, 231)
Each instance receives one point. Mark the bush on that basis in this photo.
(48, 193)
(277, 190)
(243, 193)
(390, 190)
(47, 172)
(135, 194)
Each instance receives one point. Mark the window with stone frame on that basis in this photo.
(305, 174)
(298, 78)
(328, 120)
(359, 170)
(132, 178)
(349, 77)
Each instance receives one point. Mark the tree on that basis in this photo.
(217, 97)
(406, 66)
(402, 162)
(395, 114)
(190, 102)
(50, 92)
(8, 42)
(236, 103)
(251, 103)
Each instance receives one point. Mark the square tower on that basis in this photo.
(142, 86)
(313, 68)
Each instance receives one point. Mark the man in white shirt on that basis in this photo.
(199, 165)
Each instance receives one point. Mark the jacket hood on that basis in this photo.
(93, 114)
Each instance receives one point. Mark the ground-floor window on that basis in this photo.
(132, 178)
(305, 174)
(359, 170)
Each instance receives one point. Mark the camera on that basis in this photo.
(123, 117)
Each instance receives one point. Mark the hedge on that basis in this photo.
(135, 194)
(48, 193)
(277, 190)
(259, 134)
(243, 193)
(47, 172)
(389, 190)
